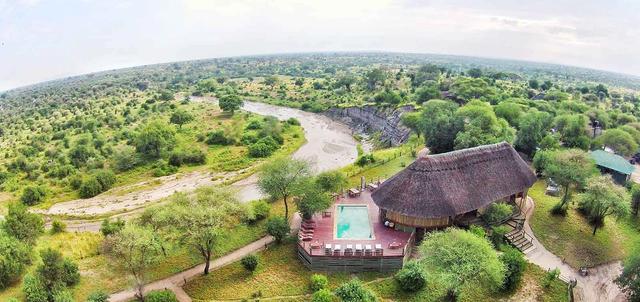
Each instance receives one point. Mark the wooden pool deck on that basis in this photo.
(395, 245)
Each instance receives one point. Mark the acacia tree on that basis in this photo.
(311, 198)
(136, 248)
(440, 125)
(628, 280)
(155, 137)
(230, 103)
(413, 121)
(532, 129)
(181, 117)
(199, 221)
(280, 177)
(619, 140)
(568, 168)
(602, 198)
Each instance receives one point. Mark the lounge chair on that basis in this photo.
(336, 250)
(379, 249)
(367, 250)
(348, 251)
(358, 249)
(327, 249)
(395, 245)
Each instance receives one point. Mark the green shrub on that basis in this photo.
(253, 125)
(497, 213)
(478, 230)
(90, 187)
(278, 227)
(365, 160)
(323, 295)
(217, 138)
(250, 262)
(260, 149)
(98, 296)
(33, 195)
(58, 226)
(109, 228)
(515, 264)
(161, 296)
(293, 121)
(33, 289)
(161, 168)
(71, 275)
(549, 277)
(63, 296)
(354, 291)
(411, 278)
(15, 256)
(497, 234)
(260, 209)
(106, 178)
(194, 156)
(319, 282)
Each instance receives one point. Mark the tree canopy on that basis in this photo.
(602, 198)
(280, 177)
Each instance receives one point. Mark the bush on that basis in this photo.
(365, 160)
(98, 296)
(319, 282)
(253, 125)
(106, 178)
(497, 235)
(260, 209)
(411, 277)
(559, 209)
(354, 291)
(217, 138)
(70, 275)
(161, 168)
(497, 213)
(515, 264)
(549, 277)
(260, 149)
(278, 227)
(293, 121)
(250, 262)
(161, 296)
(15, 256)
(33, 289)
(109, 228)
(33, 195)
(125, 158)
(478, 230)
(58, 226)
(323, 295)
(63, 296)
(90, 187)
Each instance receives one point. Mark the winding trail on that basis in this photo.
(329, 145)
(597, 286)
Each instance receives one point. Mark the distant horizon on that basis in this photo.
(311, 52)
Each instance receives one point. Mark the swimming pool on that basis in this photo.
(353, 222)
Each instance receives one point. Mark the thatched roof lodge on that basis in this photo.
(444, 189)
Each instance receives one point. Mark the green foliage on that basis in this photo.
(230, 103)
(260, 210)
(278, 227)
(189, 156)
(568, 168)
(411, 277)
(319, 282)
(354, 291)
(481, 126)
(323, 295)
(311, 198)
(279, 178)
(365, 160)
(573, 130)
(478, 231)
(160, 296)
(533, 129)
(109, 227)
(58, 226)
(33, 289)
(602, 198)
(181, 117)
(427, 93)
(462, 259)
(442, 126)
(515, 265)
(63, 296)
(250, 262)
(509, 111)
(162, 168)
(619, 140)
(124, 158)
(22, 224)
(98, 296)
(497, 212)
(33, 195)
(497, 234)
(472, 88)
(15, 257)
(55, 272)
(218, 138)
(628, 280)
(549, 277)
(154, 138)
(331, 181)
(100, 181)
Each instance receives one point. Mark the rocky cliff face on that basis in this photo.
(371, 119)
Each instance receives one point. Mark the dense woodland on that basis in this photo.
(82, 136)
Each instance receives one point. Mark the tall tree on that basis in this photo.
(230, 103)
(311, 198)
(573, 130)
(619, 140)
(22, 224)
(181, 117)
(375, 77)
(136, 248)
(533, 127)
(414, 121)
(155, 137)
(279, 178)
(440, 125)
(481, 126)
(568, 168)
(602, 198)
(198, 221)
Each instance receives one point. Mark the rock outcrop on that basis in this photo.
(371, 119)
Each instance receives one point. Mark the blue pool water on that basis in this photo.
(353, 222)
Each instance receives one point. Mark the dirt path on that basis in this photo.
(330, 145)
(597, 286)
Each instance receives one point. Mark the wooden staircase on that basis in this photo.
(518, 237)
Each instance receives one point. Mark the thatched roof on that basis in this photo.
(454, 183)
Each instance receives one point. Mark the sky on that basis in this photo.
(43, 40)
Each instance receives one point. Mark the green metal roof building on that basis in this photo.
(619, 168)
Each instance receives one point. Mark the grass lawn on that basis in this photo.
(280, 274)
(570, 237)
(99, 272)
